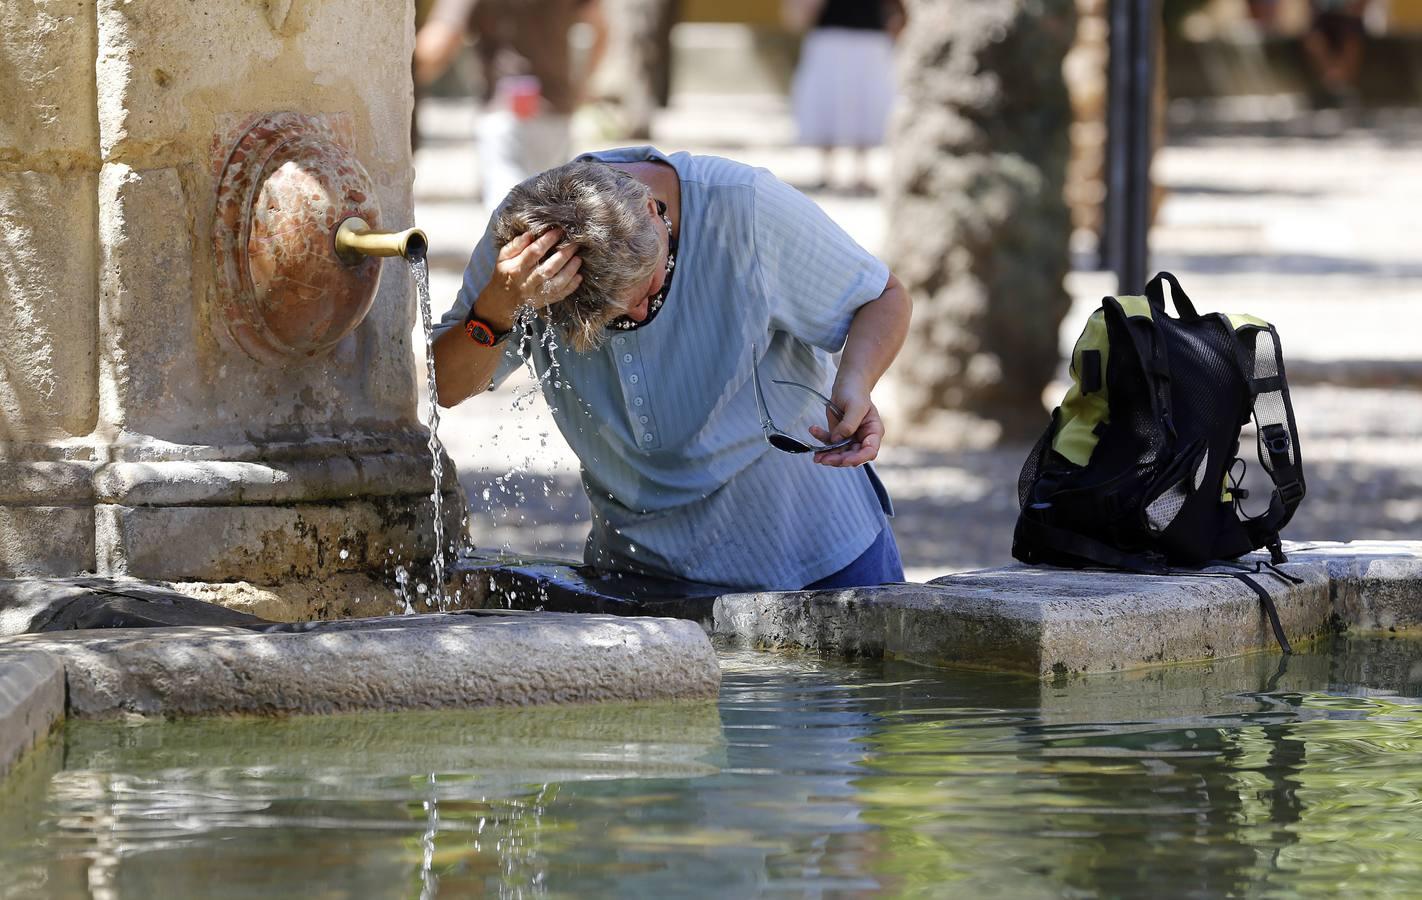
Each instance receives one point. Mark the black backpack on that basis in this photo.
(1137, 470)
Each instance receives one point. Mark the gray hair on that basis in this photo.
(604, 212)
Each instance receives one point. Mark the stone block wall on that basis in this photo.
(177, 83)
(132, 428)
(48, 177)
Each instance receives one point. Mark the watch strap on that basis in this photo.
(484, 334)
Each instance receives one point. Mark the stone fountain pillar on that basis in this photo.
(252, 442)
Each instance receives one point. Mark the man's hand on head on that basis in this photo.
(523, 277)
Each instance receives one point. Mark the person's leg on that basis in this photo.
(1315, 45)
(826, 169)
(500, 167)
(1334, 46)
(546, 141)
(512, 149)
(815, 101)
(1350, 55)
(862, 184)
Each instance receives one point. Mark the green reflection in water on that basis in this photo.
(1209, 781)
(810, 777)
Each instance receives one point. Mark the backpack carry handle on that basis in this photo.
(1155, 293)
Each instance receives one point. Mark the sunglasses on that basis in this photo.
(781, 440)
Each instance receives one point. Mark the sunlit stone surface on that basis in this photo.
(406, 662)
(31, 701)
(1056, 622)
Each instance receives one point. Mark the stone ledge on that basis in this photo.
(31, 701)
(408, 662)
(1052, 622)
(222, 482)
(1373, 585)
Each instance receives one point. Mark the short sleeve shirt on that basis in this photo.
(664, 419)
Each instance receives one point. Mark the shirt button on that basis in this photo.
(647, 437)
(644, 420)
(621, 340)
(633, 378)
(639, 401)
(626, 357)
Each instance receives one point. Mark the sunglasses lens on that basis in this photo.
(787, 444)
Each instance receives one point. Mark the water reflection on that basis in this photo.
(1207, 782)
(357, 804)
(812, 778)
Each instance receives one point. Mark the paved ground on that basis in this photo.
(1307, 220)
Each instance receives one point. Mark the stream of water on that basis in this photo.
(420, 269)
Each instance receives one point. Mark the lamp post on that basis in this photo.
(1130, 81)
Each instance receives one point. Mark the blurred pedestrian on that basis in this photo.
(1265, 14)
(531, 85)
(1334, 44)
(844, 83)
(641, 49)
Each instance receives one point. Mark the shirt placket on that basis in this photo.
(636, 391)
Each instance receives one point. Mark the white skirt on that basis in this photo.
(844, 87)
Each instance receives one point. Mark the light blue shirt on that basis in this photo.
(664, 420)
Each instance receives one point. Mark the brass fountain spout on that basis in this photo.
(355, 239)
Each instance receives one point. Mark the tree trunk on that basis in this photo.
(978, 226)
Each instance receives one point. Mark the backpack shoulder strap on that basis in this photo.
(1135, 316)
(1273, 412)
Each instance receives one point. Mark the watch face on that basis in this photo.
(480, 333)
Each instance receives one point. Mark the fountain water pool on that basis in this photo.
(809, 776)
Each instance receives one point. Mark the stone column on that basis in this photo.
(139, 438)
(49, 170)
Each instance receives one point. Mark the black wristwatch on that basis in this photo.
(482, 333)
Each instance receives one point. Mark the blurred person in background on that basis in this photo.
(687, 308)
(844, 84)
(1264, 14)
(642, 48)
(531, 85)
(1334, 44)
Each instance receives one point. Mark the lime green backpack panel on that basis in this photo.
(1245, 320)
(1082, 411)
